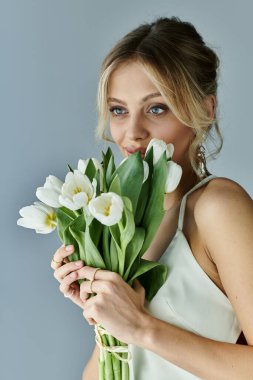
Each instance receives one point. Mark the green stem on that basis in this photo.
(116, 363)
(125, 368)
(108, 368)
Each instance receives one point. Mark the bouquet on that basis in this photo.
(110, 215)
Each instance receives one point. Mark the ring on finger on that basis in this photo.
(93, 279)
(56, 262)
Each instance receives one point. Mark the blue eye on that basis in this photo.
(157, 110)
(117, 111)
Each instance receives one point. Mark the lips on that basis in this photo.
(131, 150)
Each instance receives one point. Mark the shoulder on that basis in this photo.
(224, 218)
(221, 198)
(223, 213)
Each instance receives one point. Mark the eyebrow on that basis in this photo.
(147, 97)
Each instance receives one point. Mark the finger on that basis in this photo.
(61, 254)
(66, 269)
(96, 286)
(92, 309)
(137, 286)
(88, 272)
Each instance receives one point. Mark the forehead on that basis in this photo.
(130, 77)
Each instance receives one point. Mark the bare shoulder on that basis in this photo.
(222, 196)
(224, 218)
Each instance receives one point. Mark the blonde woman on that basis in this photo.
(160, 81)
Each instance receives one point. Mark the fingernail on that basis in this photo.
(78, 263)
(69, 248)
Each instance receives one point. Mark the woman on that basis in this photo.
(160, 81)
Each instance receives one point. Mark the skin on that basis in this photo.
(222, 245)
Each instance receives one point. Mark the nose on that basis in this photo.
(136, 128)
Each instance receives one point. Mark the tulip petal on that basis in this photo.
(146, 171)
(82, 165)
(80, 199)
(67, 202)
(169, 151)
(48, 196)
(107, 208)
(174, 176)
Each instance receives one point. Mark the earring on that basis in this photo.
(201, 160)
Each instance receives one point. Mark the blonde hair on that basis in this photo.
(184, 70)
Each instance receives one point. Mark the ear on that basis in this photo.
(210, 104)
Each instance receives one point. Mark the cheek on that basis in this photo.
(182, 143)
(116, 133)
(180, 136)
(117, 137)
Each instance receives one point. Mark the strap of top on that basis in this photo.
(183, 202)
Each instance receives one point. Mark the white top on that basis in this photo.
(188, 299)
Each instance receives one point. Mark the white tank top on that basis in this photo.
(188, 299)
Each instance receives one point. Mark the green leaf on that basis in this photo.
(97, 178)
(129, 228)
(76, 229)
(67, 211)
(90, 170)
(132, 251)
(152, 276)
(95, 229)
(68, 238)
(145, 189)
(79, 223)
(93, 257)
(106, 240)
(130, 174)
(155, 207)
(114, 257)
(115, 186)
(79, 236)
(70, 168)
(115, 232)
(63, 221)
(110, 170)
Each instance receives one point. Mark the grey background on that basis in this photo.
(51, 53)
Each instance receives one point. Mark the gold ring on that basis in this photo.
(56, 262)
(93, 279)
(95, 273)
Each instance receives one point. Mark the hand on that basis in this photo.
(62, 272)
(117, 306)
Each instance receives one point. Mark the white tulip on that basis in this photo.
(107, 208)
(39, 216)
(82, 165)
(160, 146)
(49, 193)
(174, 176)
(146, 170)
(77, 191)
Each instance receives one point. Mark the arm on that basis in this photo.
(228, 237)
(90, 372)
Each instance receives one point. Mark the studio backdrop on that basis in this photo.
(51, 52)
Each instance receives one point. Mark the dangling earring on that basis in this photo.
(201, 160)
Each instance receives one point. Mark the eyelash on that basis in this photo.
(161, 106)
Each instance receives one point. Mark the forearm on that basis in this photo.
(203, 357)
(91, 371)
